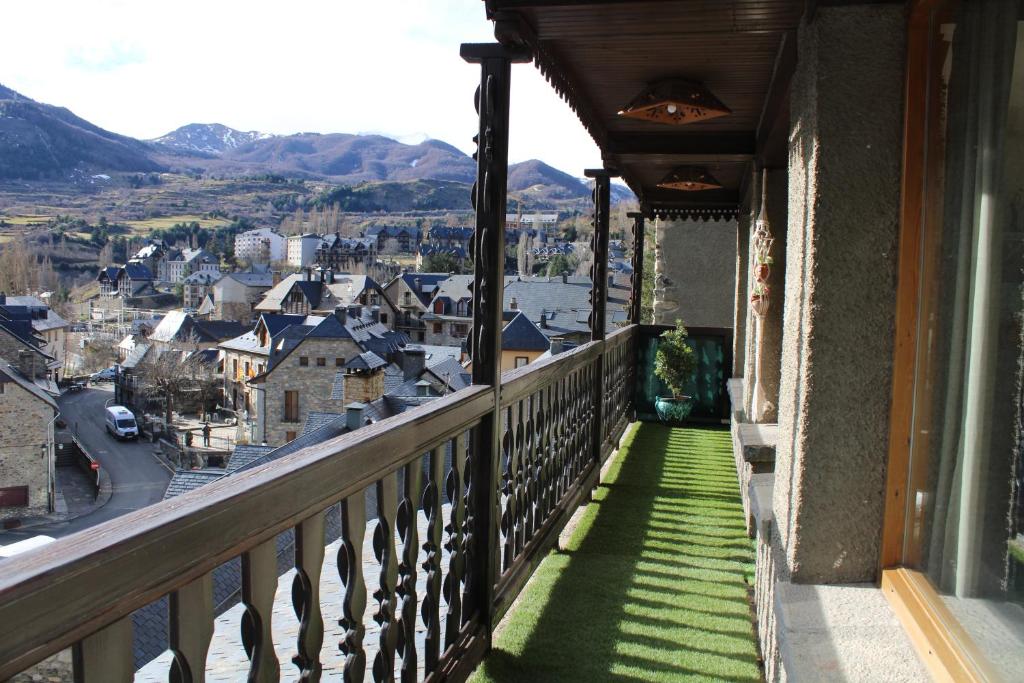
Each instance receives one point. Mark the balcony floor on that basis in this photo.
(653, 585)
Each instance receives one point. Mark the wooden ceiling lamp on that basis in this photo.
(690, 179)
(675, 102)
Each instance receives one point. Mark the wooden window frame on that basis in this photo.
(304, 361)
(291, 416)
(940, 641)
(321, 362)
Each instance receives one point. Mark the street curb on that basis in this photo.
(102, 498)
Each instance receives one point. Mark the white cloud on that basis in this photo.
(391, 66)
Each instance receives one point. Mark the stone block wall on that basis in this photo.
(314, 384)
(364, 387)
(24, 448)
(695, 273)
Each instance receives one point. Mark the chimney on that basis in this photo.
(375, 313)
(513, 304)
(27, 363)
(417, 286)
(309, 274)
(354, 415)
(557, 345)
(543, 320)
(413, 361)
(355, 311)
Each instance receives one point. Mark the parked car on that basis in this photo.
(75, 386)
(104, 375)
(120, 423)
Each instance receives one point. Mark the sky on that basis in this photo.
(143, 68)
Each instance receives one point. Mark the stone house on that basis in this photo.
(180, 263)
(236, 294)
(304, 365)
(133, 279)
(27, 414)
(449, 315)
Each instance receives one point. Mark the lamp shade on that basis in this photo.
(690, 179)
(675, 102)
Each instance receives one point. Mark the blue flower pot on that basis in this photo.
(673, 411)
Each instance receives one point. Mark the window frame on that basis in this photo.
(941, 642)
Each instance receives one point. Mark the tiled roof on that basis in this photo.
(253, 279)
(338, 387)
(9, 373)
(451, 373)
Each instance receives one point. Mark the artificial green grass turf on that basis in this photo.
(652, 586)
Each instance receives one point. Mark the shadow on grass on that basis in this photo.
(652, 586)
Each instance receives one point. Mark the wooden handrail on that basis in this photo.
(74, 587)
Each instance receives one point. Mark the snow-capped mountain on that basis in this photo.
(209, 138)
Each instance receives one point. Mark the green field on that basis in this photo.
(145, 226)
(26, 219)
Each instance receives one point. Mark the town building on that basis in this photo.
(234, 296)
(426, 251)
(304, 366)
(450, 313)
(522, 342)
(323, 291)
(301, 249)
(178, 264)
(47, 325)
(27, 415)
(346, 254)
(197, 286)
(262, 245)
(397, 239)
(531, 221)
(411, 293)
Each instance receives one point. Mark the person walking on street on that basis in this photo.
(206, 434)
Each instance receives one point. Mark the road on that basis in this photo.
(138, 478)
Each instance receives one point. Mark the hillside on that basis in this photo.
(40, 141)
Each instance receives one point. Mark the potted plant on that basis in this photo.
(674, 363)
(762, 268)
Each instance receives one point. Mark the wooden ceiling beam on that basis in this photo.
(740, 145)
(776, 101)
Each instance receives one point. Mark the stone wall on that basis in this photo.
(24, 448)
(695, 273)
(840, 292)
(314, 384)
(364, 387)
(56, 669)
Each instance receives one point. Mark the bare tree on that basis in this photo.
(175, 373)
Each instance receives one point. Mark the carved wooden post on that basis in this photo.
(489, 196)
(637, 280)
(599, 297)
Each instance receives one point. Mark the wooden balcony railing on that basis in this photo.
(417, 468)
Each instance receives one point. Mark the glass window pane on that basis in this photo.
(965, 511)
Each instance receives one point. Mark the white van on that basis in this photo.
(121, 423)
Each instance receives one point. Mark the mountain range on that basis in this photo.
(43, 142)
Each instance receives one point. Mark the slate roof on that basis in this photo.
(565, 305)
(316, 420)
(203, 277)
(431, 249)
(246, 453)
(428, 284)
(522, 335)
(110, 272)
(184, 481)
(367, 360)
(450, 233)
(313, 291)
(40, 322)
(10, 373)
(180, 326)
(136, 356)
(451, 373)
(253, 279)
(136, 271)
